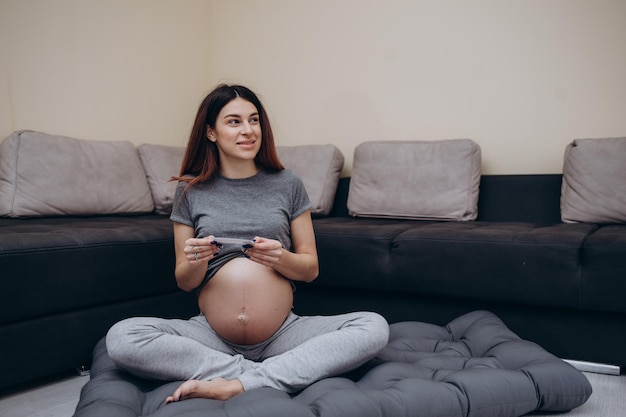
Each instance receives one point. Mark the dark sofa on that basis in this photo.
(66, 279)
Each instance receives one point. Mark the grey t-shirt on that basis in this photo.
(263, 205)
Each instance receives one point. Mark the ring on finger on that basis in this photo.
(195, 256)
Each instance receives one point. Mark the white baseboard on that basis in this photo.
(598, 368)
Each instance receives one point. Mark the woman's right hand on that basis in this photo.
(198, 250)
(190, 271)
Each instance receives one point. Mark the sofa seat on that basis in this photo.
(473, 366)
(343, 240)
(95, 255)
(508, 262)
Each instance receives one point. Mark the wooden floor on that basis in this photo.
(58, 398)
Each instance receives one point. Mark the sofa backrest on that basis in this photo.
(502, 198)
(520, 198)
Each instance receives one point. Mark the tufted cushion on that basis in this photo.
(435, 180)
(48, 175)
(594, 181)
(473, 366)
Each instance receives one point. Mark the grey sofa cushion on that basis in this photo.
(48, 175)
(161, 163)
(594, 181)
(319, 166)
(474, 366)
(435, 180)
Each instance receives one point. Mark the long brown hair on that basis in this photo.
(201, 160)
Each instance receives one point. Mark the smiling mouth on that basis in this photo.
(246, 142)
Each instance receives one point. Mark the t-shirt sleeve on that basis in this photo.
(180, 209)
(301, 201)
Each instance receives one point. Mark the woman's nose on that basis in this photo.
(245, 128)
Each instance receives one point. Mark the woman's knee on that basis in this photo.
(378, 328)
(373, 330)
(120, 338)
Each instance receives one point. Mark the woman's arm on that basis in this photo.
(191, 269)
(300, 265)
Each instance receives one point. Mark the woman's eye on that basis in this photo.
(254, 120)
(233, 122)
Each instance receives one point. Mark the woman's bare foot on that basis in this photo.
(217, 389)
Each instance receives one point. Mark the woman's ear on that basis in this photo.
(209, 134)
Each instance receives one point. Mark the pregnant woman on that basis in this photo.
(242, 234)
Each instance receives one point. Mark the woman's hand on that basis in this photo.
(267, 252)
(198, 250)
(299, 265)
(189, 271)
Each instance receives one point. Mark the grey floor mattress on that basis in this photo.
(475, 366)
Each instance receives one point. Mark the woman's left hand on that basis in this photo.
(267, 252)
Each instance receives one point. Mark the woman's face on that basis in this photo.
(237, 131)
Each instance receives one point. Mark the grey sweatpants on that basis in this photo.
(305, 349)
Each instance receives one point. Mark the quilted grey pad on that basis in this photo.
(475, 366)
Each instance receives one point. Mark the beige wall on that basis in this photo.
(104, 69)
(520, 77)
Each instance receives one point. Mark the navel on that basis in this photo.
(243, 318)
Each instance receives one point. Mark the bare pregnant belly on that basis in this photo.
(246, 302)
